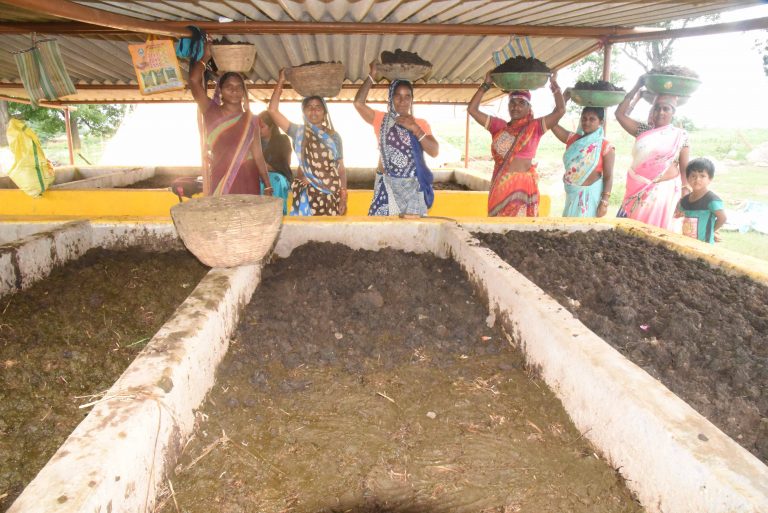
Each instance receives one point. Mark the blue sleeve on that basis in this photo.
(716, 204)
(339, 146)
(293, 130)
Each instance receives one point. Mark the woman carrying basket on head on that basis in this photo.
(514, 185)
(320, 185)
(403, 182)
(588, 161)
(237, 164)
(654, 182)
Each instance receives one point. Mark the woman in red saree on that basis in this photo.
(514, 185)
(236, 160)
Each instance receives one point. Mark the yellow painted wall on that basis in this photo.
(157, 203)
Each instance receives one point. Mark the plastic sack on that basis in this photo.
(31, 171)
(157, 68)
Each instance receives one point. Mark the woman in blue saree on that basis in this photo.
(403, 183)
(588, 162)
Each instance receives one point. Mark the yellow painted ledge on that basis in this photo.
(112, 203)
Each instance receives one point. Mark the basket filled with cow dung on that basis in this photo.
(403, 65)
(597, 94)
(520, 73)
(673, 80)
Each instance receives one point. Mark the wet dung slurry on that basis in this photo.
(67, 338)
(371, 381)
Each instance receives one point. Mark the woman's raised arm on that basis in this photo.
(363, 109)
(274, 103)
(622, 111)
(474, 104)
(197, 81)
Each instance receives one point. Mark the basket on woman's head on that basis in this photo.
(238, 57)
(322, 79)
(403, 65)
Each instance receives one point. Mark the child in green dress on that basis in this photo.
(702, 208)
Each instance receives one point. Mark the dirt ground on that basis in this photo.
(71, 336)
(370, 381)
(701, 332)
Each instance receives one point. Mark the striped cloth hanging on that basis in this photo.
(513, 49)
(42, 72)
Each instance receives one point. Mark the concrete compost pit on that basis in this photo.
(701, 332)
(371, 381)
(126, 451)
(67, 338)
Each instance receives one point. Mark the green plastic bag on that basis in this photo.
(31, 171)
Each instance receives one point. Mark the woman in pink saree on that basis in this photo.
(232, 133)
(654, 181)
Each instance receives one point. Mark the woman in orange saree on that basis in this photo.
(514, 187)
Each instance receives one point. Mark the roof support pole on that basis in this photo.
(70, 142)
(607, 61)
(606, 74)
(77, 12)
(466, 143)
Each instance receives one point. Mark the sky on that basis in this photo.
(734, 89)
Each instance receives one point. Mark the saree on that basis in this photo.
(229, 139)
(581, 158)
(514, 194)
(318, 150)
(648, 198)
(405, 186)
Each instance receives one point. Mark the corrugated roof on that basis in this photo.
(99, 63)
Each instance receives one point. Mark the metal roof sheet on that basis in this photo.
(101, 61)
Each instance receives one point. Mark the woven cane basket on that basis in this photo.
(238, 58)
(403, 71)
(323, 79)
(230, 230)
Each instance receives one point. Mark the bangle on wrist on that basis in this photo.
(372, 80)
(604, 202)
(485, 86)
(422, 136)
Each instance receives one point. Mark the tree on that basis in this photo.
(761, 45)
(654, 54)
(590, 68)
(98, 120)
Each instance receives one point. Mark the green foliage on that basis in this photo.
(98, 120)
(102, 120)
(590, 68)
(685, 123)
(761, 45)
(45, 122)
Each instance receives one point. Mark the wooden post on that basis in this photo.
(466, 143)
(606, 74)
(70, 143)
(607, 61)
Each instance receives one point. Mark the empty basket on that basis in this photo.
(229, 230)
(323, 79)
(239, 57)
